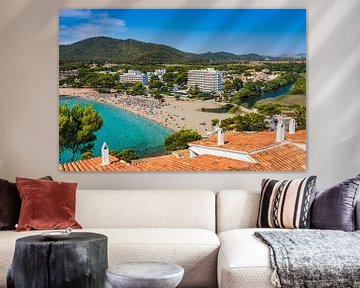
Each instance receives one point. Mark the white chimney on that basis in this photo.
(280, 131)
(292, 126)
(104, 155)
(220, 136)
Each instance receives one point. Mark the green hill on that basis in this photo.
(130, 51)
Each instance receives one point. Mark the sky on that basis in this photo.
(269, 32)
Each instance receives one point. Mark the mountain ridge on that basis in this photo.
(131, 51)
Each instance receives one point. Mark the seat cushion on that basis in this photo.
(244, 261)
(196, 250)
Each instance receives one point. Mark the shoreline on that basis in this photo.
(172, 114)
(107, 102)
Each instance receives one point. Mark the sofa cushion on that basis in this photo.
(46, 204)
(286, 204)
(194, 249)
(244, 261)
(334, 208)
(146, 209)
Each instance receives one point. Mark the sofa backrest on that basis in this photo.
(239, 209)
(146, 209)
(236, 209)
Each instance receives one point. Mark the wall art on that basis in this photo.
(182, 90)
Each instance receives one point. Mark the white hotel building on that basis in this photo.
(208, 80)
(134, 76)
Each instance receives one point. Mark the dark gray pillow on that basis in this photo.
(334, 208)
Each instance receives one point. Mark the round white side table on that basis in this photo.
(145, 275)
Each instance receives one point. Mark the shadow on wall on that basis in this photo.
(332, 87)
(337, 71)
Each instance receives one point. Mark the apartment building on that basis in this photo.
(134, 76)
(208, 80)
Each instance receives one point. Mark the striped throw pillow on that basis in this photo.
(286, 204)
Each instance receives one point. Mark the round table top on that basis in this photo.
(73, 237)
(146, 270)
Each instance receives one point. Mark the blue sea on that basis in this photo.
(121, 130)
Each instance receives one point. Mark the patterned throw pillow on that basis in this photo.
(286, 204)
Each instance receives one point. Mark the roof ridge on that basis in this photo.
(282, 143)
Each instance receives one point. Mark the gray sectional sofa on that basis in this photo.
(210, 235)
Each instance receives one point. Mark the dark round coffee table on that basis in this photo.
(145, 275)
(80, 261)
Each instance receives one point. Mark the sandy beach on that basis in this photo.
(173, 114)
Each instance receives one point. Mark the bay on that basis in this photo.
(121, 130)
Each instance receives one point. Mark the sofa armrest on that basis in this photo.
(357, 215)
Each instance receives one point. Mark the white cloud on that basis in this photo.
(75, 13)
(109, 21)
(96, 24)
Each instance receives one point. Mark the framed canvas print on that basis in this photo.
(182, 90)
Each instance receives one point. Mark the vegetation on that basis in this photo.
(215, 122)
(231, 86)
(285, 100)
(87, 155)
(290, 67)
(299, 87)
(194, 92)
(157, 87)
(155, 82)
(76, 128)
(301, 117)
(127, 155)
(179, 140)
(270, 110)
(248, 122)
(137, 89)
(176, 77)
(89, 78)
(253, 89)
(66, 66)
(124, 87)
(252, 122)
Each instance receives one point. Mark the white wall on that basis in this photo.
(29, 100)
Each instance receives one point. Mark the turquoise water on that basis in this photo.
(272, 94)
(121, 130)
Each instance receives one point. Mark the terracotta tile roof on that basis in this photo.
(94, 164)
(248, 142)
(182, 153)
(287, 157)
(298, 137)
(199, 163)
(240, 141)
